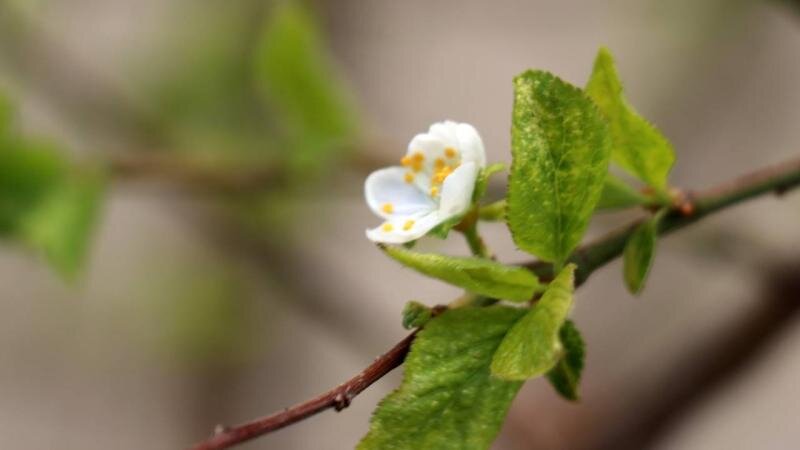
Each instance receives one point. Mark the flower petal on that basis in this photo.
(457, 190)
(399, 230)
(447, 131)
(429, 145)
(470, 144)
(388, 187)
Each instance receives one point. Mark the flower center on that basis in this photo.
(436, 171)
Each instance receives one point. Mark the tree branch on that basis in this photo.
(778, 179)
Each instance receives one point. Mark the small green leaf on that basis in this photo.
(478, 275)
(28, 172)
(639, 253)
(566, 375)
(482, 182)
(415, 315)
(560, 150)
(61, 226)
(532, 346)
(618, 194)
(297, 77)
(448, 400)
(442, 230)
(637, 145)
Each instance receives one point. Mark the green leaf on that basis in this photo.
(566, 375)
(532, 346)
(482, 182)
(637, 145)
(478, 275)
(618, 194)
(61, 226)
(448, 400)
(415, 315)
(298, 79)
(46, 203)
(28, 172)
(560, 149)
(442, 230)
(6, 114)
(639, 253)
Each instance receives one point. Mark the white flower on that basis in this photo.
(434, 183)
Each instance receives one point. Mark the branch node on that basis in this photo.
(342, 401)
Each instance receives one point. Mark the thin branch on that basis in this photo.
(197, 173)
(337, 398)
(778, 179)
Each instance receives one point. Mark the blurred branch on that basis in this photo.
(776, 179)
(223, 176)
(775, 310)
(195, 172)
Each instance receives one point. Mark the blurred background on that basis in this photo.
(228, 275)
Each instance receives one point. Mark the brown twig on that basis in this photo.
(778, 178)
(337, 398)
(197, 173)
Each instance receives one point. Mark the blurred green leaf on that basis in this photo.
(45, 202)
(61, 226)
(532, 346)
(298, 80)
(639, 253)
(618, 194)
(478, 275)
(560, 150)
(637, 145)
(448, 399)
(566, 375)
(200, 83)
(415, 315)
(28, 172)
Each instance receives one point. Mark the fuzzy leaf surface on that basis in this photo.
(448, 400)
(532, 346)
(638, 146)
(478, 275)
(560, 148)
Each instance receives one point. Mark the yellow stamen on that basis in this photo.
(450, 152)
(406, 161)
(418, 157)
(388, 208)
(443, 173)
(387, 227)
(409, 177)
(407, 226)
(434, 191)
(416, 166)
(438, 164)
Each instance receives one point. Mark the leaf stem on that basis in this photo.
(493, 212)
(476, 243)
